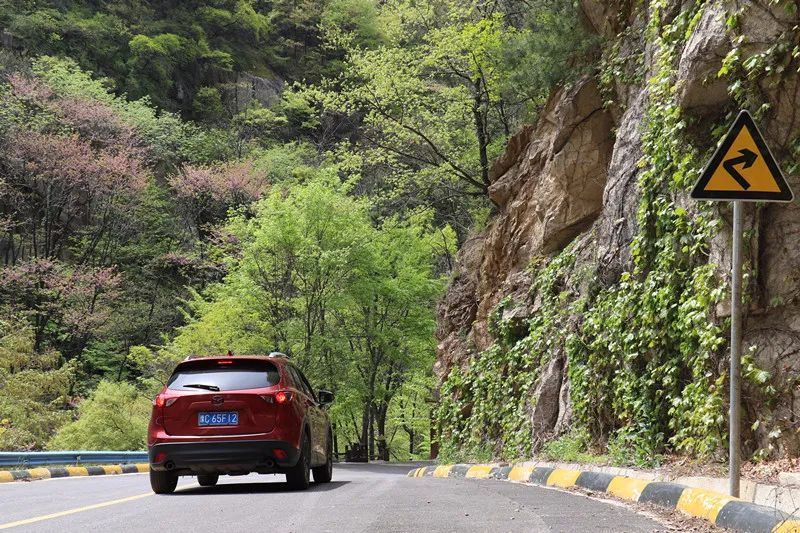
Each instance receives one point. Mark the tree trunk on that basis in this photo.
(434, 438)
(335, 441)
(480, 130)
(371, 432)
(383, 446)
(365, 425)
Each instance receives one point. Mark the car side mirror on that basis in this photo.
(325, 397)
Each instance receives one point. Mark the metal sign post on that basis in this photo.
(742, 169)
(736, 350)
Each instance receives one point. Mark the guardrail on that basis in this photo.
(25, 459)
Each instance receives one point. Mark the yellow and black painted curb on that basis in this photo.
(71, 471)
(720, 509)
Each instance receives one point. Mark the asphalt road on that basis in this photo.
(363, 498)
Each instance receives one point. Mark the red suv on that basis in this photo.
(236, 415)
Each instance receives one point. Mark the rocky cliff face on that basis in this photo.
(573, 178)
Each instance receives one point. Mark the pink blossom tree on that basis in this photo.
(208, 192)
(72, 166)
(67, 306)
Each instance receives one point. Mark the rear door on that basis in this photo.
(316, 418)
(217, 397)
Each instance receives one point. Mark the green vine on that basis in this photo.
(643, 365)
(618, 65)
(484, 410)
(645, 354)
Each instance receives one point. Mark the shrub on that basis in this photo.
(33, 389)
(114, 418)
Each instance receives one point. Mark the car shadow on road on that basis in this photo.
(257, 488)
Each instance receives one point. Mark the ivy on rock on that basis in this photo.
(644, 354)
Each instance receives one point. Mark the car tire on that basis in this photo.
(163, 482)
(324, 473)
(299, 476)
(207, 480)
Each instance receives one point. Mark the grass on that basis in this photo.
(571, 449)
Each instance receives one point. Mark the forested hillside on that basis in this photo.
(184, 178)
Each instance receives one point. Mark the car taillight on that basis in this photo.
(282, 397)
(279, 397)
(163, 401)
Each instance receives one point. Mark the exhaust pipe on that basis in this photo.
(169, 465)
(270, 463)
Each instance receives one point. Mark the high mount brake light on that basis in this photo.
(224, 362)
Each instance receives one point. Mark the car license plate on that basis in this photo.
(228, 418)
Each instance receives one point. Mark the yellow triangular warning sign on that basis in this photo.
(743, 168)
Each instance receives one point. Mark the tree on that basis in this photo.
(430, 101)
(431, 106)
(389, 321)
(66, 306)
(349, 301)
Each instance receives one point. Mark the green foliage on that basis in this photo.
(116, 252)
(486, 407)
(552, 49)
(166, 52)
(115, 417)
(352, 304)
(436, 88)
(208, 103)
(257, 122)
(620, 66)
(643, 366)
(753, 68)
(410, 414)
(355, 21)
(34, 389)
(169, 140)
(286, 163)
(372, 160)
(571, 448)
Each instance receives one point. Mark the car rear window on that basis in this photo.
(213, 375)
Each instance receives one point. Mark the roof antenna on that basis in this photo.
(230, 353)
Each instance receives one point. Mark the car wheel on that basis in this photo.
(163, 482)
(299, 476)
(324, 473)
(207, 480)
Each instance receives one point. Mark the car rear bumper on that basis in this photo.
(222, 457)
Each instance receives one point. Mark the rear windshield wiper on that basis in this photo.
(202, 386)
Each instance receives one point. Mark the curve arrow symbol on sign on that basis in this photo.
(748, 158)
